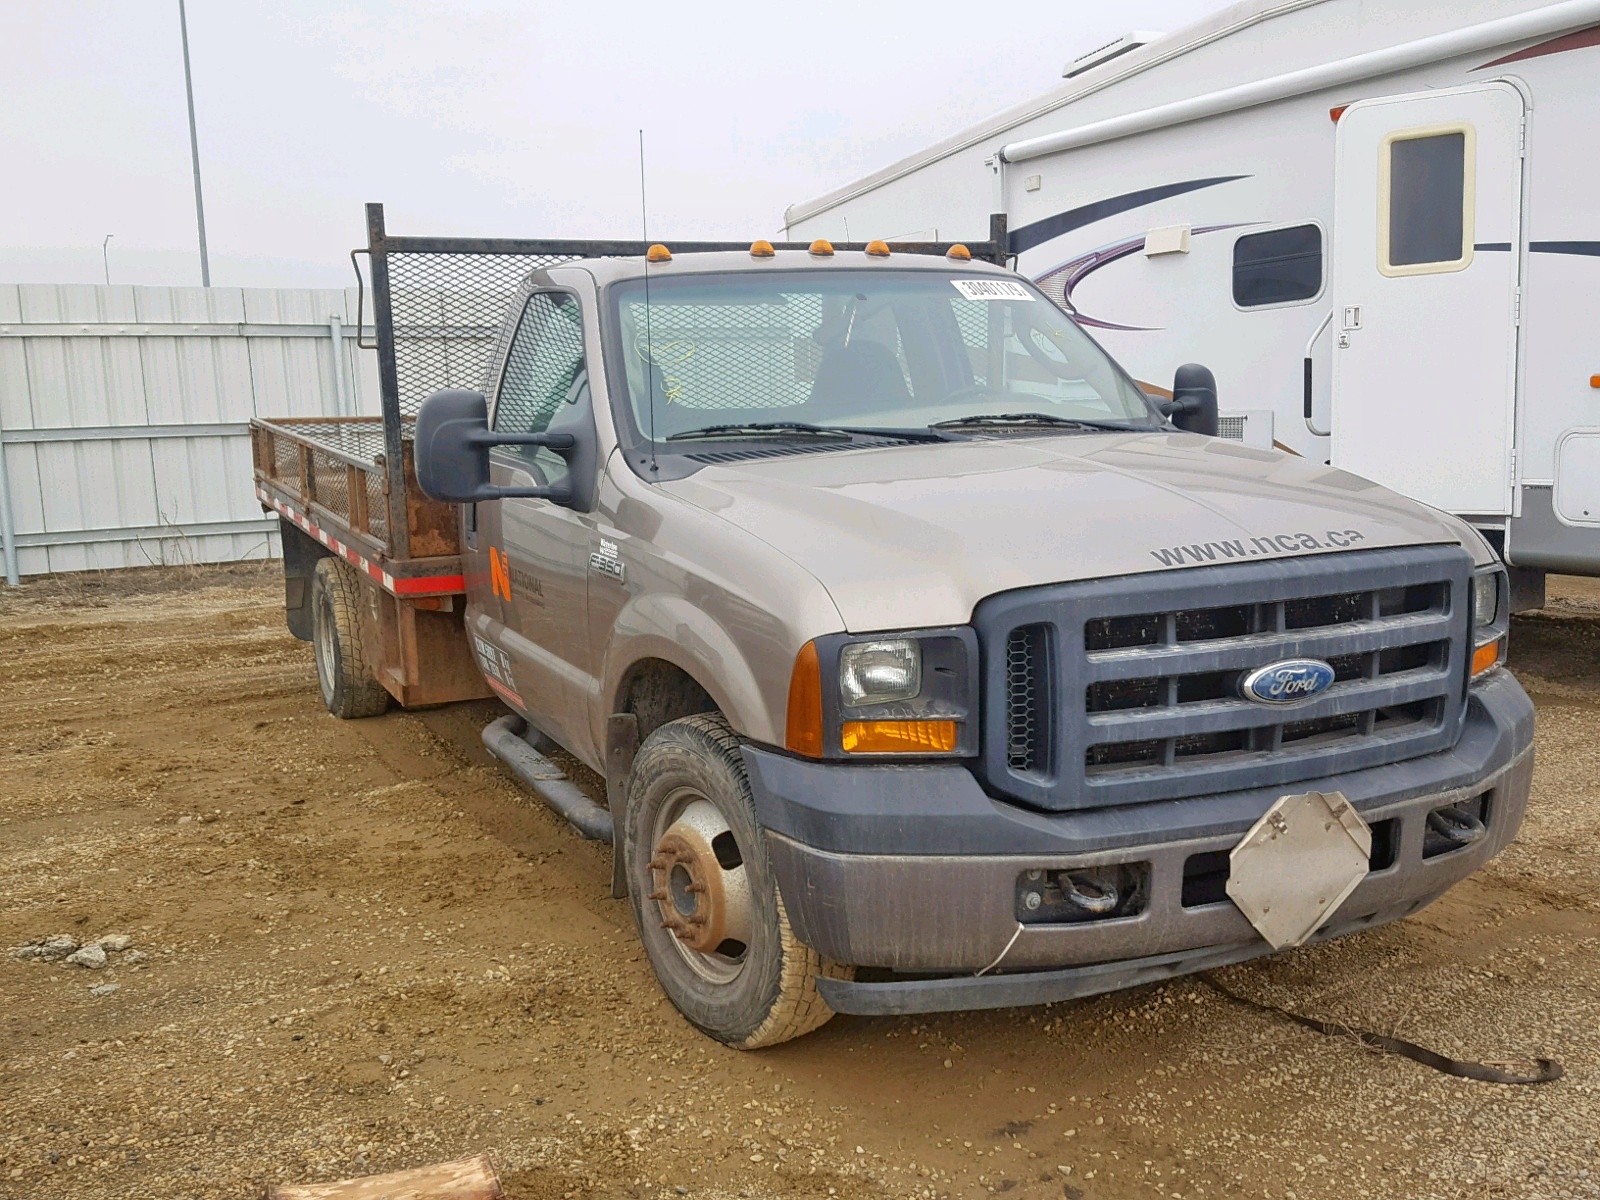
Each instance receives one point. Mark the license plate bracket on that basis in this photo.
(1298, 864)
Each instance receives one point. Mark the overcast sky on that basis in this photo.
(508, 119)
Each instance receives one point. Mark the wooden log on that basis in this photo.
(465, 1179)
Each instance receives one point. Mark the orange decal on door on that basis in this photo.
(499, 573)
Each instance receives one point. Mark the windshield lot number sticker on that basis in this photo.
(991, 289)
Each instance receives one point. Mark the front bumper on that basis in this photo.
(914, 868)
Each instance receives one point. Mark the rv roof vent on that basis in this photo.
(1104, 54)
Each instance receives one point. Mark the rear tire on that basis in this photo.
(349, 688)
(697, 862)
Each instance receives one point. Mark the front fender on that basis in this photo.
(674, 630)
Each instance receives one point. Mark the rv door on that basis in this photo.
(1426, 253)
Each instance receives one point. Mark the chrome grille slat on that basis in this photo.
(1135, 662)
(1151, 712)
(1212, 716)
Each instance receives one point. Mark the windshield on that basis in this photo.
(858, 349)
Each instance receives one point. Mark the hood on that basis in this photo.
(910, 536)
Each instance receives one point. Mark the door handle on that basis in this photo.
(1311, 342)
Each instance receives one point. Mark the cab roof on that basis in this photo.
(613, 270)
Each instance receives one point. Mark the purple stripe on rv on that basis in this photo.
(1026, 237)
(1580, 40)
(1058, 282)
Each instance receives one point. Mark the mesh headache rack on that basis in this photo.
(437, 307)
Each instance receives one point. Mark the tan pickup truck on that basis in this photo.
(930, 663)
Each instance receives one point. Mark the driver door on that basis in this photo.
(539, 550)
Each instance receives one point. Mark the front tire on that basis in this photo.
(349, 688)
(708, 909)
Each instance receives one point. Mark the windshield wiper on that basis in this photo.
(1031, 418)
(754, 428)
(761, 428)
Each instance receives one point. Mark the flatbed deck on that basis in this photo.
(329, 477)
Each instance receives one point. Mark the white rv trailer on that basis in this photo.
(1379, 225)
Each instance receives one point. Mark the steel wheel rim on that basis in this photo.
(327, 656)
(696, 896)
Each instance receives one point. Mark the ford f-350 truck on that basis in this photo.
(930, 662)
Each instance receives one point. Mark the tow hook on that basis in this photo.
(1455, 826)
(1090, 896)
(1070, 895)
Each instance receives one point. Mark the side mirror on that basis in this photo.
(1193, 407)
(452, 451)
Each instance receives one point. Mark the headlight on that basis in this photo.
(880, 672)
(1485, 597)
(1489, 623)
(855, 697)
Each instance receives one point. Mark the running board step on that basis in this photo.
(505, 741)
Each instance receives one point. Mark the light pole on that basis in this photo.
(105, 256)
(194, 149)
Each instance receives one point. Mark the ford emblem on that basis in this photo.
(1287, 682)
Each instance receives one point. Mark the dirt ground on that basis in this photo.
(367, 949)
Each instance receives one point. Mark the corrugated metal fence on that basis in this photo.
(122, 415)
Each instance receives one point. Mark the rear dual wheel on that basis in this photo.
(709, 912)
(349, 688)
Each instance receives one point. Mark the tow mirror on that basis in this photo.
(453, 440)
(1193, 407)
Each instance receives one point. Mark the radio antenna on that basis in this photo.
(649, 343)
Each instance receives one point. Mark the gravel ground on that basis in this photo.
(356, 947)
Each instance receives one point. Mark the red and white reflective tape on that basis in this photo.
(506, 693)
(431, 584)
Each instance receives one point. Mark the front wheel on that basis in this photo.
(708, 910)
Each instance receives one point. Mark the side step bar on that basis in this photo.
(505, 741)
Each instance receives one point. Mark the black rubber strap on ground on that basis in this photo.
(1549, 1070)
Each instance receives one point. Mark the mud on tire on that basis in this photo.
(691, 841)
(349, 688)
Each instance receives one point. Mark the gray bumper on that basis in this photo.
(914, 869)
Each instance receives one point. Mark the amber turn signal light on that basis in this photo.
(803, 728)
(658, 253)
(1487, 656)
(898, 737)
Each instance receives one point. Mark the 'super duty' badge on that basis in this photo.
(1287, 682)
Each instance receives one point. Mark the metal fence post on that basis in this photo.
(8, 532)
(341, 393)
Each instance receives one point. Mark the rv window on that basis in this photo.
(1279, 266)
(1427, 185)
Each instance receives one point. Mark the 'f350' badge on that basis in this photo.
(604, 561)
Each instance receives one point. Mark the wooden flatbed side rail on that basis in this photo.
(440, 575)
(333, 465)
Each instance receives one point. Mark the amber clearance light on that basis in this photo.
(1487, 656)
(898, 737)
(803, 729)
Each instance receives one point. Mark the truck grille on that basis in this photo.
(1128, 690)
